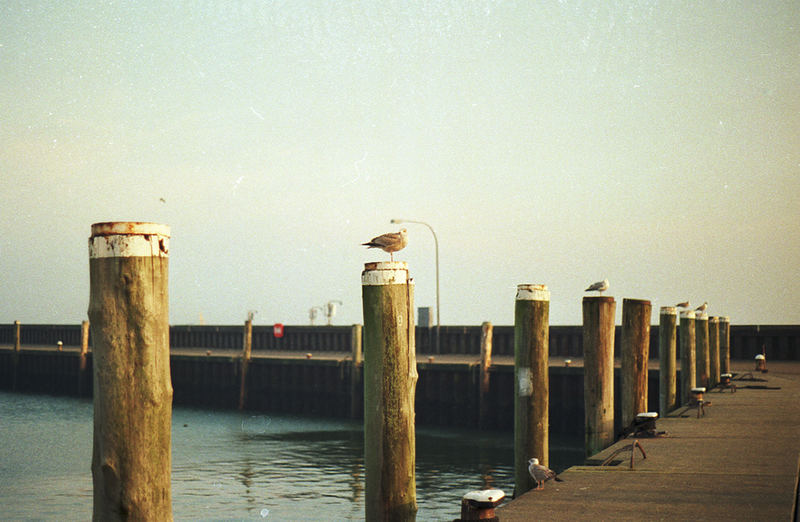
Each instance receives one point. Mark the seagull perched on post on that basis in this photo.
(540, 473)
(684, 304)
(702, 307)
(600, 286)
(391, 242)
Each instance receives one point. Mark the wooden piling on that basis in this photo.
(17, 336)
(598, 368)
(486, 363)
(15, 356)
(356, 386)
(713, 350)
(688, 355)
(703, 358)
(128, 314)
(390, 377)
(532, 382)
(725, 344)
(247, 350)
(83, 355)
(634, 352)
(667, 339)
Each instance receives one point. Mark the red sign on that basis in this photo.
(277, 330)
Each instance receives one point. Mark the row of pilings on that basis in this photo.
(128, 318)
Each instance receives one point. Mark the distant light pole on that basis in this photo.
(436, 242)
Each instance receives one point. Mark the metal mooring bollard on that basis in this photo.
(725, 382)
(697, 401)
(761, 363)
(645, 424)
(480, 505)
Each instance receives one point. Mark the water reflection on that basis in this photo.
(228, 465)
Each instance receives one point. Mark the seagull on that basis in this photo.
(600, 286)
(684, 304)
(541, 474)
(702, 307)
(391, 242)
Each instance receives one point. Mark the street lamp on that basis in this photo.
(436, 242)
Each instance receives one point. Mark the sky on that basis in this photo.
(653, 143)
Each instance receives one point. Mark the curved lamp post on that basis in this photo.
(436, 242)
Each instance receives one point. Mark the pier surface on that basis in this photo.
(738, 462)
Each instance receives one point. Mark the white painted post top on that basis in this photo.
(485, 495)
(724, 319)
(669, 310)
(385, 273)
(533, 293)
(129, 239)
(713, 319)
(701, 316)
(687, 314)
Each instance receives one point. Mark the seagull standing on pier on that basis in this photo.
(684, 304)
(702, 307)
(600, 286)
(391, 242)
(540, 473)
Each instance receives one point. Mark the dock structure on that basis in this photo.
(737, 462)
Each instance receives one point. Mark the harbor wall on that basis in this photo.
(777, 342)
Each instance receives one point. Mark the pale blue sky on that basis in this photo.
(653, 143)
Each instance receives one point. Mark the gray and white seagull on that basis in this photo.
(540, 473)
(391, 242)
(600, 286)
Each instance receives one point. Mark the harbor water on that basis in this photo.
(241, 466)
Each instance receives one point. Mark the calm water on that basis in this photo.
(239, 466)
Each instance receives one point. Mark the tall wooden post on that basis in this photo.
(634, 351)
(17, 336)
(531, 382)
(390, 378)
(725, 344)
(598, 371)
(486, 363)
(15, 357)
(83, 355)
(688, 354)
(667, 339)
(356, 386)
(701, 349)
(128, 313)
(713, 350)
(247, 351)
